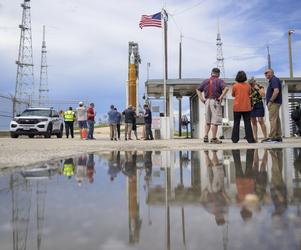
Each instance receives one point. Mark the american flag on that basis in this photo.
(150, 20)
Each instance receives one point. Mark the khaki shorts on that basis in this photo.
(213, 112)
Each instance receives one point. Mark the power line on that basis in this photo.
(189, 8)
(177, 26)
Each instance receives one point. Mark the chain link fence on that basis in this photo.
(6, 110)
(7, 101)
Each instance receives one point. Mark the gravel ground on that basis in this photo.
(23, 151)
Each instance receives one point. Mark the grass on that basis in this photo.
(4, 134)
(184, 134)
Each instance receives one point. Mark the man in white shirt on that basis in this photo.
(81, 114)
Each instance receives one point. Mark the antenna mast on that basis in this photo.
(219, 54)
(24, 90)
(43, 89)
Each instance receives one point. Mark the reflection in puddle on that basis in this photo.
(236, 199)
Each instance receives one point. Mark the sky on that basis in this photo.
(87, 42)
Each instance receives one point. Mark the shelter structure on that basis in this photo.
(177, 88)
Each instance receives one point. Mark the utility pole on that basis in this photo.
(269, 57)
(43, 89)
(290, 32)
(24, 89)
(219, 54)
(164, 18)
(180, 57)
(180, 77)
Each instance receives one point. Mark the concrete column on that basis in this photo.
(288, 173)
(171, 121)
(180, 114)
(201, 119)
(172, 158)
(285, 117)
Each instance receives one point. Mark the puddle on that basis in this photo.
(239, 199)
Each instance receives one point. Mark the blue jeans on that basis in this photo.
(91, 129)
(148, 131)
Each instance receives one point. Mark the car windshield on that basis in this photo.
(36, 112)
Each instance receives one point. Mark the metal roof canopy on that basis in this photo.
(187, 86)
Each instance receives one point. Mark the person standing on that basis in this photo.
(81, 114)
(90, 168)
(69, 117)
(296, 117)
(90, 121)
(148, 123)
(68, 168)
(244, 180)
(274, 101)
(278, 189)
(135, 124)
(241, 91)
(81, 169)
(257, 112)
(129, 116)
(214, 197)
(112, 115)
(118, 121)
(214, 90)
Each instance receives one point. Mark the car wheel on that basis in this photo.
(49, 131)
(60, 134)
(13, 135)
(31, 136)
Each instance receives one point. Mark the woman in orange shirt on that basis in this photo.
(241, 92)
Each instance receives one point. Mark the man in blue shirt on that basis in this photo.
(148, 123)
(274, 101)
(112, 115)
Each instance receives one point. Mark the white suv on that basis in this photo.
(37, 121)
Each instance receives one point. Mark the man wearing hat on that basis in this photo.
(81, 112)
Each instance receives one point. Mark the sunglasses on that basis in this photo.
(266, 73)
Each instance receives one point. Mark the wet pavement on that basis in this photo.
(216, 199)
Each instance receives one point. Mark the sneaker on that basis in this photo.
(206, 139)
(264, 140)
(215, 141)
(270, 140)
(279, 139)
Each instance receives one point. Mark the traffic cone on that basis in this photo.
(84, 133)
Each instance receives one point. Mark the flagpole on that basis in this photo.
(165, 73)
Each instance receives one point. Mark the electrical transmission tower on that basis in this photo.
(24, 90)
(219, 54)
(43, 89)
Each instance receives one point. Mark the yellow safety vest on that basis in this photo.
(69, 116)
(68, 170)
